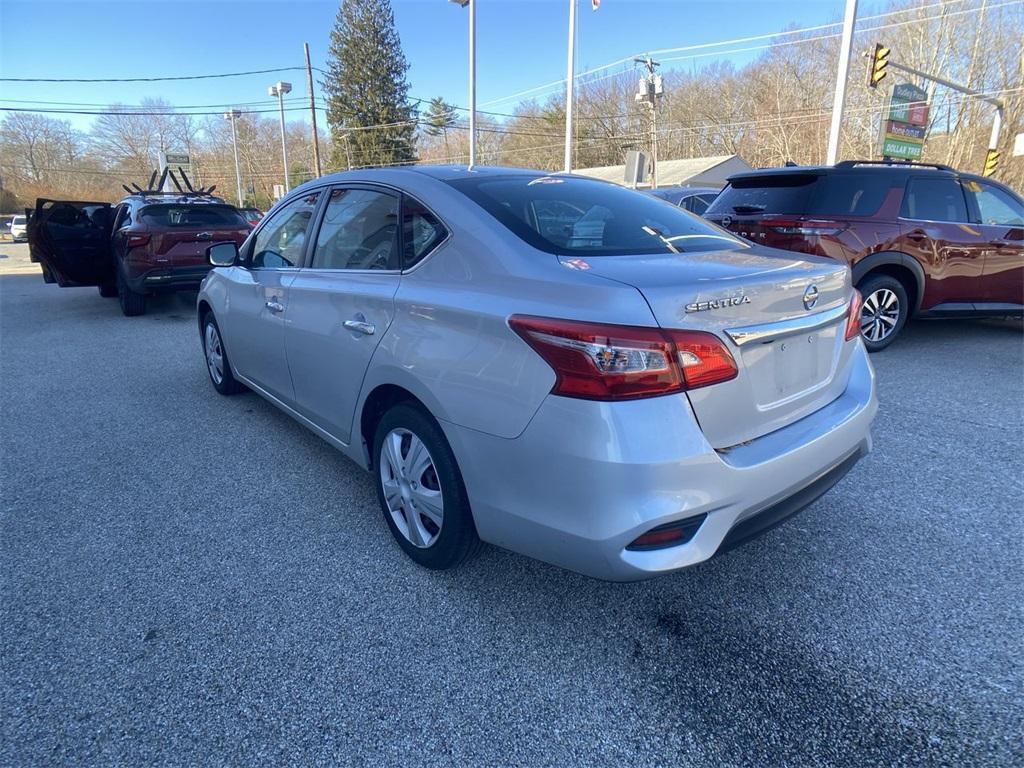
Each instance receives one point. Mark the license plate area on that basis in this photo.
(791, 367)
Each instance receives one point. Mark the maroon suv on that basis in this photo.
(922, 240)
(148, 243)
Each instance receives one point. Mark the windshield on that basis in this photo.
(584, 217)
(19, 220)
(192, 216)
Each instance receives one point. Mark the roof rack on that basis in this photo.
(135, 189)
(897, 163)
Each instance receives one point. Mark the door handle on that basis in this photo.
(917, 236)
(275, 306)
(359, 326)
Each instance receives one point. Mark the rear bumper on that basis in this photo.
(586, 478)
(170, 279)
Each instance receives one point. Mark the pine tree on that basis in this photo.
(366, 86)
(440, 117)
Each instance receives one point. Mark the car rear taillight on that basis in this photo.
(805, 227)
(595, 361)
(853, 315)
(137, 240)
(668, 535)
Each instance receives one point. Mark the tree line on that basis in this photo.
(772, 110)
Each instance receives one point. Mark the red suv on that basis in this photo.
(922, 240)
(148, 243)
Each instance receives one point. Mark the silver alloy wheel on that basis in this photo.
(214, 353)
(879, 315)
(411, 488)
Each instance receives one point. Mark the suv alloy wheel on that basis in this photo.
(883, 312)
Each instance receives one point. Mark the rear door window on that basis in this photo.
(936, 199)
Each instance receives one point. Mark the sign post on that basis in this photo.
(906, 124)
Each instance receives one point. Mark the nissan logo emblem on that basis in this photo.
(810, 297)
(726, 221)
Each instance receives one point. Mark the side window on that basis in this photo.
(994, 205)
(282, 240)
(359, 231)
(421, 232)
(124, 216)
(698, 203)
(934, 200)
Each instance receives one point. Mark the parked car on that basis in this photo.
(252, 215)
(148, 243)
(693, 199)
(623, 398)
(17, 228)
(923, 240)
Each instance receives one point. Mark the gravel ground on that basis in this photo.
(191, 579)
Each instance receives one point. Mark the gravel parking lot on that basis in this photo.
(191, 579)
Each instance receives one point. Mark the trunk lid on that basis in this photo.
(789, 352)
(188, 245)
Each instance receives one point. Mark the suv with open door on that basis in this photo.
(150, 242)
(923, 240)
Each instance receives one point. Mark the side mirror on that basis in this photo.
(222, 254)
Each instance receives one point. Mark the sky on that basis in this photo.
(521, 44)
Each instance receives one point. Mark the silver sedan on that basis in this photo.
(552, 364)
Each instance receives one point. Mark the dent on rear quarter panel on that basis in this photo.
(451, 338)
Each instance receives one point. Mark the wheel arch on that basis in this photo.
(377, 402)
(897, 265)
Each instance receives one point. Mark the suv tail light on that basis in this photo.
(805, 227)
(595, 361)
(853, 315)
(136, 240)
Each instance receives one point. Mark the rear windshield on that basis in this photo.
(585, 217)
(18, 220)
(852, 194)
(192, 216)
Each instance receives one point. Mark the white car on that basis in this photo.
(19, 228)
(553, 364)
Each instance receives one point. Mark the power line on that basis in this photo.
(142, 79)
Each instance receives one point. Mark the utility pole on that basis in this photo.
(279, 89)
(312, 113)
(839, 100)
(233, 115)
(651, 91)
(471, 4)
(570, 83)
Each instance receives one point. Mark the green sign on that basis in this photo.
(905, 103)
(902, 148)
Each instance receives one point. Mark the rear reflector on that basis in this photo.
(137, 240)
(853, 316)
(619, 362)
(668, 535)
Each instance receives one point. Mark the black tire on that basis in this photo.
(888, 320)
(227, 383)
(132, 304)
(456, 540)
(108, 290)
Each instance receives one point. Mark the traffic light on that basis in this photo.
(991, 162)
(879, 61)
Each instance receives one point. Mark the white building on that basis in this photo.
(689, 172)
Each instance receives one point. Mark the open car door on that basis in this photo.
(72, 240)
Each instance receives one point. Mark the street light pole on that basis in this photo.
(570, 79)
(472, 77)
(280, 89)
(233, 115)
(839, 101)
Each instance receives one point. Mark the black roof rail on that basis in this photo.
(896, 163)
